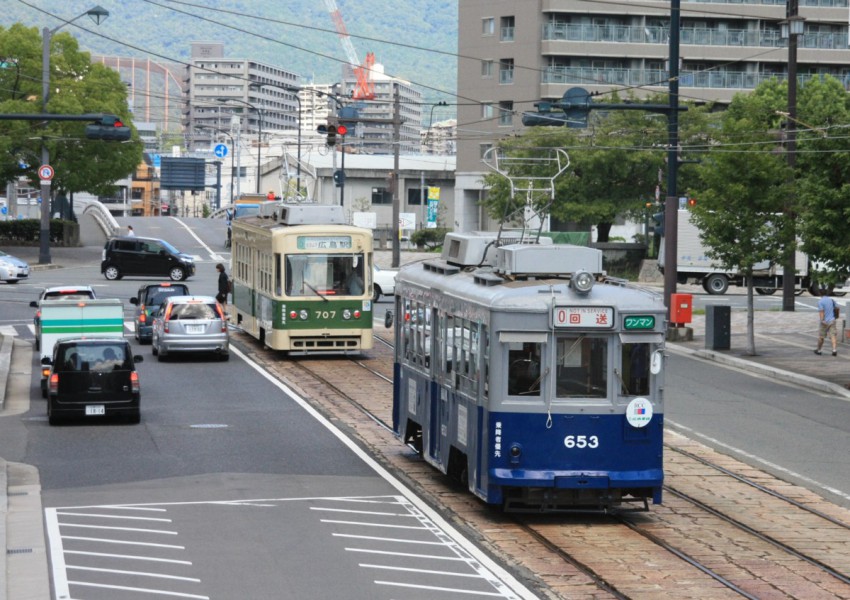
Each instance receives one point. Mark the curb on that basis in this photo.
(767, 370)
(6, 344)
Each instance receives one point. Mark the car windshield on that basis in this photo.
(98, 358)
(192, 310)
(170, 248)
(158, 295)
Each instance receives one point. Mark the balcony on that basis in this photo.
(690, 36)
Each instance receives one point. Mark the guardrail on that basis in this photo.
(104, 219)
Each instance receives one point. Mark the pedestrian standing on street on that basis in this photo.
(223, 286)
(130, 232)
(828, 312)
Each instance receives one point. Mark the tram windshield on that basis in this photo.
(325, 275)
(636, 361)
(582, 367)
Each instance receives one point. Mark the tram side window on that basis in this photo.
(278, 278)
(635, 361)
(524, 368)
(581, 367)
(416, 334)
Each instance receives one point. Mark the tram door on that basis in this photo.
(438, 441)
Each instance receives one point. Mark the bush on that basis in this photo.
(28, 231)
(429, 239)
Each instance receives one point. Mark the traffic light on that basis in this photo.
(109, 128)
(339, 178)
(658, 230)
(575, 105)
(331, 141)
(692, 202)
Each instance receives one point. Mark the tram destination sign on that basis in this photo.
(632, 322)
(583, 317)
(324, 242)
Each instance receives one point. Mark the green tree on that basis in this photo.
(739, 212)
(77, 87)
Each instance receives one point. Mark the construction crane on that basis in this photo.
(365, 89)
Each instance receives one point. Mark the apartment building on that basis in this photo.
(217, 87)
(522, 52)
(377, 138)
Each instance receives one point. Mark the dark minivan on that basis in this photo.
(148, 300)
(93, 378)
(144, 256)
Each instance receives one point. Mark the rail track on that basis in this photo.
(724, 530)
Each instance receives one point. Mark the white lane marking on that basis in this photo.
(362, 524)
(123, 517)
(161, 531)
(129, 557)
(361, 512)
(758, 459)
(406, 554)
(126, 542)
(422, 571)
(135, 589)
(438, 589)
(213, 254)
(138, 573)
(57, 556)
(386, 539)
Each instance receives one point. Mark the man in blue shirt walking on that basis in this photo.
(828, 311)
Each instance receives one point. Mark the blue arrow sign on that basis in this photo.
(220, 150)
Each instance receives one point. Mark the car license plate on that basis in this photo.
(95, 409)
(194, 328)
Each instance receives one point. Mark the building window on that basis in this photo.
(506, 112)
(506, 31)
(381, 196)
(488, 26)
(483, 148)
(506, 70)
(487, 69)
(486, 111)
(414, 196)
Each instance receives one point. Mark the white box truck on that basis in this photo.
(76, 319)
(692, 265)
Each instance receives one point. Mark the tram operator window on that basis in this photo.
(635, 361)
(582, 367)
(524, 369)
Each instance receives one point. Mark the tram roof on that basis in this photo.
(520, 294)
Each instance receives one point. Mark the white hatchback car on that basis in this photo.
(12, 269)
(384, 282)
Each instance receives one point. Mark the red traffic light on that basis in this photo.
(341, 129)
(692, 201)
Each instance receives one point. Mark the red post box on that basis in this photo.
(681, 309)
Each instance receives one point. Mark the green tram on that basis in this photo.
(302, 279)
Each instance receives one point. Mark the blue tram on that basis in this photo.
(524, 372)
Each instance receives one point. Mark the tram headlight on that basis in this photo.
(303, 314)
(514, 453)
(346, 314)
(582, 281)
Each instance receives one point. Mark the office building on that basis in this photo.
(522, 52)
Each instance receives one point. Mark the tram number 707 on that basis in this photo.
(325, 314)
(581, 441)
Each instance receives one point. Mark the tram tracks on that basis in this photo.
(771, 545)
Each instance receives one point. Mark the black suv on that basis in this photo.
(130, 255)
(148, 300)
(93, 378)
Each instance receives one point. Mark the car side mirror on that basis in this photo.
(138, 358)
(34, 304)
(388, 319)
(134, 300)
(46, 360)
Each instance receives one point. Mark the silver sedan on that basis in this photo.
(190, 324)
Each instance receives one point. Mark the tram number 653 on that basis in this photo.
(581, 441)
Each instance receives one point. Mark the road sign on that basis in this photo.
(220, 150)
(45, 172)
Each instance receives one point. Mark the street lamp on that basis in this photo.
(294, 91)
(260, 113)
(97, 14)
(232, 154)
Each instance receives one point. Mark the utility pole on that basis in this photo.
(671, 205)
(794, 27)
(396, 195)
